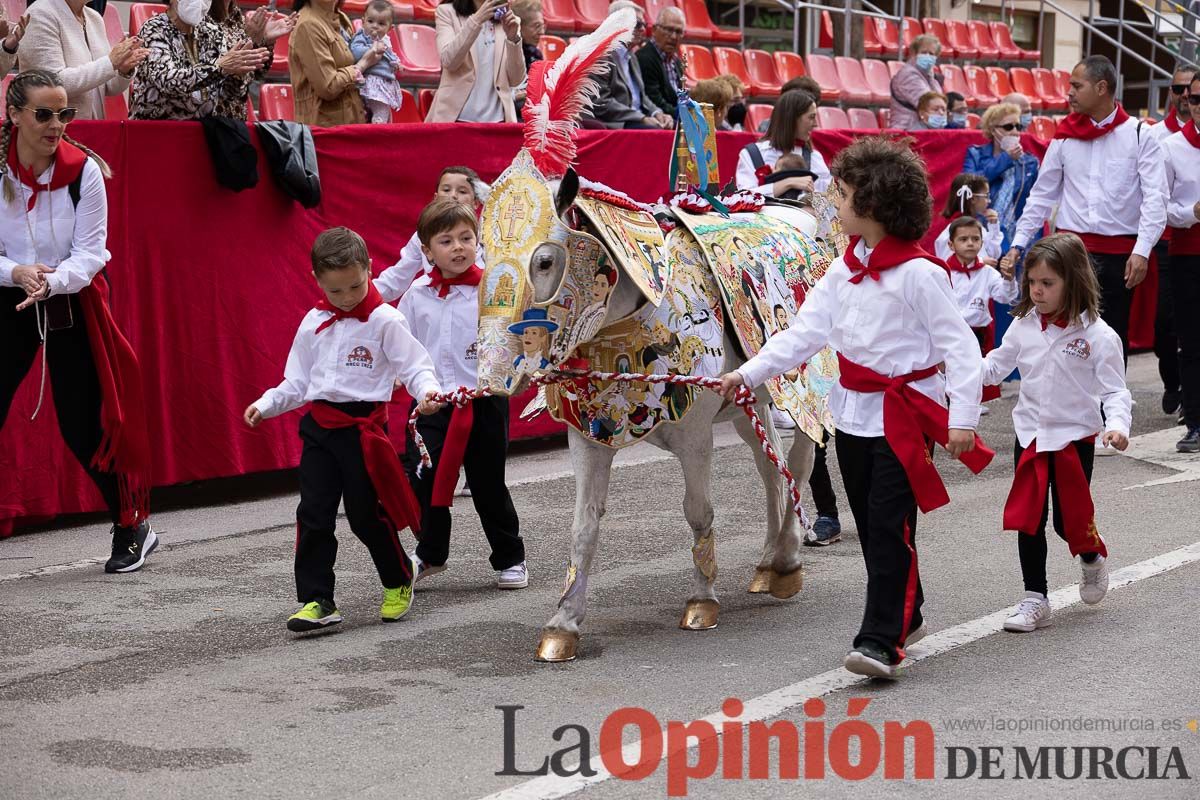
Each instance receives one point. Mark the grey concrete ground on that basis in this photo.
(180, 680)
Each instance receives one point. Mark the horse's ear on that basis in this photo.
(568, 188)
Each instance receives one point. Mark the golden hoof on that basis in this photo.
(557, 646)
(784, 586)
(761, 582)
(700, 615)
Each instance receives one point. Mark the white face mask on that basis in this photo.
(1009, 142)
(192, 12)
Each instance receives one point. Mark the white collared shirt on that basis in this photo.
(448, 328)
(394, 281)
(993, 242)
(1182, 164)
(1160, 130)
(1067, 374)
(350, 361)
(1113, 185)
(973, 290)
(71, 239)
(746, 179)
(906, 321)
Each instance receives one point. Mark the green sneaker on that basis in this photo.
(396, 603)
(313, 616)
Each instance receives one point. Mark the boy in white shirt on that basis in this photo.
(346, 358)
(443, 308)
(890, 314)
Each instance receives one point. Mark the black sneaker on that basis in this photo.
(870, 659)
(1189, 443)
(130, 547)
(825, 531)
(1170, 402)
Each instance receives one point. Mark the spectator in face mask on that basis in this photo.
(1010, 171)
(735, 117)
(914, 79)
(1025, 110)
(931, 112)
(957, 105)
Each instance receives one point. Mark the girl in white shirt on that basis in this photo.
(1072, 367)
(969, 198)
(793, 120)
(53, 298)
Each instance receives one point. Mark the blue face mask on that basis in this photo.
(958, 121)
(926, 62)
(1026, 121)
(936, 121)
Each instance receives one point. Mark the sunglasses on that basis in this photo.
(1010, 127)
(639, 26)
(44, 115)
(1179, 88)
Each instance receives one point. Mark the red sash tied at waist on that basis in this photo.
(908, 417)
(1027, 498)
(454, 449)
(1119, 245)
(1185, 241)
(383, 465)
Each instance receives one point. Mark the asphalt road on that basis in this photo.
(181, 681)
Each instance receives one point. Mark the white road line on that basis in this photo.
(52, 569)
(775, 703)
(1158, 448)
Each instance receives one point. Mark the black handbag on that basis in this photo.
(293, 157)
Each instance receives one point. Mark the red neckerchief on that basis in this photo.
(1059, 321)
(1027, 498)
(360, 312)
(891, 252)
(438, 281)
(68, 165)
(953, 265)
(1082, 127)
(1191, 134)
(1172, 123)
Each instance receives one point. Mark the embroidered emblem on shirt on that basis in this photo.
(1079, 348)
(472, 353)
(360, 357)
(978, 303)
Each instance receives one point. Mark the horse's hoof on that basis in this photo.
(761, 582)
(557, 646)
(784, 586)
(700, 615)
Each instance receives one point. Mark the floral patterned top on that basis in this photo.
(180, 79)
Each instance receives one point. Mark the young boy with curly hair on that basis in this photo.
(889, 311)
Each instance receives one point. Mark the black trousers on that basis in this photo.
(332, 470)
(1115, 299)
(885, 512)
(1166, 345)
(820, 485)
(1185, 285)
(1032, 549)
(73, 382)
(487, 449)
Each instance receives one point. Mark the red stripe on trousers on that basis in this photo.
(910, 590)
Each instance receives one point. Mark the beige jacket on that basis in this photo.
(56, 42)
(323, 70)
(455, 37)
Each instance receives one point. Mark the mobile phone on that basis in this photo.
(499, 13)
(59, 316)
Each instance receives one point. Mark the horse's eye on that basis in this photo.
(547, 258)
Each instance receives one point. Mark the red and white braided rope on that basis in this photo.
(744, 399)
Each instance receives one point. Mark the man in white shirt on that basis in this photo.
(1105, 174)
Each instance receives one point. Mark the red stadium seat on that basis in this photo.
(416, 47)
(825, 34)
(761, 67)
(960, 39)
(425, 98)
(699, 63)
(1002, 35)
(140, 12)
(275, 102)
(789, 66)
(887, 34)
(871, 44)
(1022, 81)
(559, 16)
(552, 47)
(832, 118)
(410, 109)
(756, 114)
(854, 82)
(973, 121)
(885, 118)
(977, 81)
(1007, 48)
(863, 119)
(729, 62)
(590, 13)
(1047, 90)
(1043, 128)
(824, 72)
(910, 30)
(936, 27)
(894, 67)
(251, 117)
(1062, 80)
(879, 80)
(696, 14)
(998, 81)
(279, 57)
(953, 80)
(112, 24)
(425, 9)
(981, 39)
(115, 107)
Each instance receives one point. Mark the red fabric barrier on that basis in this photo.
(209, 285)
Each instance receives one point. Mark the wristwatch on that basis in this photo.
(4, 44)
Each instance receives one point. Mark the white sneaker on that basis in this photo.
(422, 570)
(515, 577)
(1094, 585)
(984, 411)
(1033, 612)
(783, 420)
(1105, 449)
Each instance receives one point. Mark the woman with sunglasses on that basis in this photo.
(53, 298)
(1010, 171)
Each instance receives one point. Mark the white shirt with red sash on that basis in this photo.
(394, 281)
(902, 322)
(448, 327)
(1111, 185)
(1182, 165)
(1067, 375)
(974, 287)
(1170, 124)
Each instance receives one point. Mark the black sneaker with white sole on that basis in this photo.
(870, 659)
(1190, 443)
(131, 547)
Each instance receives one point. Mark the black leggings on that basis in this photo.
(1032, 549)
